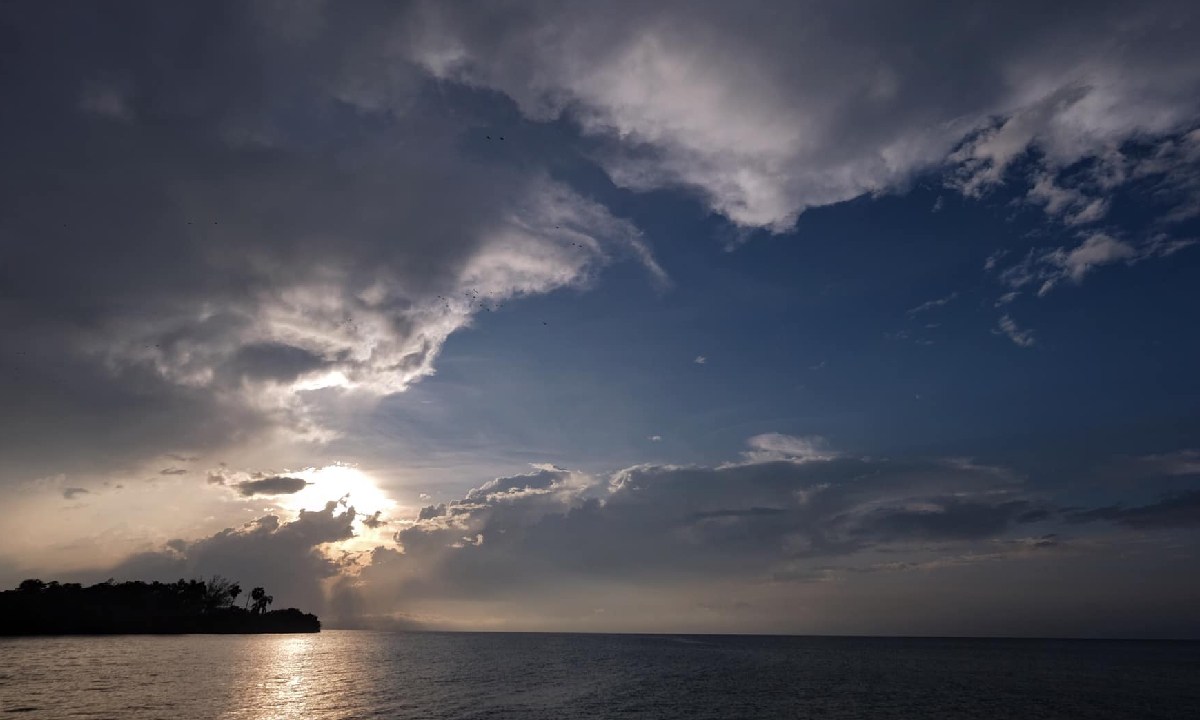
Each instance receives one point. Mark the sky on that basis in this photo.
(765, 317)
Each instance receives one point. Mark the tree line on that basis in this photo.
(186, 606)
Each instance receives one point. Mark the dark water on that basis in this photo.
(417, 675)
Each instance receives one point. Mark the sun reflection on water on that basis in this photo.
(286, 684)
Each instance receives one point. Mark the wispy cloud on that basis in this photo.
(933, 304)
(776, 446)
(1047, 268)
(1009, 328)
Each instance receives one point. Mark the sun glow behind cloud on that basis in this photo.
(335, 482)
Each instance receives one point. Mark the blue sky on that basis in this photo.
(686, 316)
(873, 323)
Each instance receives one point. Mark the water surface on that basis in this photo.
(345, 674)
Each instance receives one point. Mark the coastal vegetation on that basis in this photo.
(136, 607)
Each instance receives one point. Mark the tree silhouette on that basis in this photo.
(261, 600)
(219, 593)
(191, 606)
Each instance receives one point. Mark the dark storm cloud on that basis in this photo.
(204, 202)
(278, 485)
(1179, 510)
(283, 557)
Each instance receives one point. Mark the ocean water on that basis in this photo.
(347, 674)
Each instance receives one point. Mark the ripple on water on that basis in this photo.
(337, 675)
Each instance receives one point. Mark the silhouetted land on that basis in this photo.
(111, 608)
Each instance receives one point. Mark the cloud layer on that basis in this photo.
(196, 258)
(791, 522)
(766, 109)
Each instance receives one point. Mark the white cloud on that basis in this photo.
(1047, 268)
(766, 113)
(1009, 328)
(700, 360)
(1076, 207)
(933, 304)
(1096, 250)
(769, 447)
(1007, 297)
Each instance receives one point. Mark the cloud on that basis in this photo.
(278, 485)
(700, 360)
(287, 558)
(791, 519)
(932, 304)
(72, 492)
(655, 438)
(1047, 268)
(1179, 510)
(289, 268)
(767, 109)
(1006, 298)
(1174, 171)
(775, 446)
(543, 479)
(282, 269)
(1072, 204)
(1176, 463)
(752, 521)
(173, 471)
(1009, 328)
(107, 101)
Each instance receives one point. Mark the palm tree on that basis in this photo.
(261, 600)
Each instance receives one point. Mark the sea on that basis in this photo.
(361, 674)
